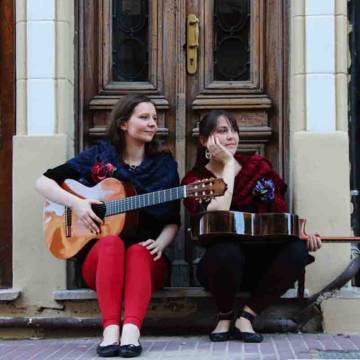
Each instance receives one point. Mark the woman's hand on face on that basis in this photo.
(313, 242)
(154, 248)
(82, 209)
(218, 151)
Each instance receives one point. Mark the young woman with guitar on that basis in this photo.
(123, 271)
(268, 270)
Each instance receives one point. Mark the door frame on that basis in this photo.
(7, 130)
(95, 95)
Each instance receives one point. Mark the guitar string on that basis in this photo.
(143, 200)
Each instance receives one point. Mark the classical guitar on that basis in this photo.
(246, 227)
(66, 234)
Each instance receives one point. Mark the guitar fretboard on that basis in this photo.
(140, 201)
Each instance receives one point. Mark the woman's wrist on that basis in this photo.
(159, 244)
(72, 201)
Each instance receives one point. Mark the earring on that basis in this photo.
(208, 154)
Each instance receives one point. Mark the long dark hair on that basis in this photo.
(121, 113)
(206, 127)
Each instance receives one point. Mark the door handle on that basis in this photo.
(192, 43)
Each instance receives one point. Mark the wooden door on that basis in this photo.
(139, 46)
(7, 128)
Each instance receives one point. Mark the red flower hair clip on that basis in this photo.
(101, 171)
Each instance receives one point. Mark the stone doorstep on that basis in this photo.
(9, 294)
(168, 292)
(350, 292)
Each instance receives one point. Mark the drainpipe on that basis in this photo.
(354, 123)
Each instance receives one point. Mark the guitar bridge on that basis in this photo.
(67, 221)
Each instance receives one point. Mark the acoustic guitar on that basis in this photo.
(66, 234)
(210, 226)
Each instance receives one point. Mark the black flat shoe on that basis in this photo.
(245, 336)
(248, 337)
(225, 335)
(108, 350)
(217, 337)
(131, 350)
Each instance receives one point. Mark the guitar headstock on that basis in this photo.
(206, 189)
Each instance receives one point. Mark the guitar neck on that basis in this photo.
(140, 201)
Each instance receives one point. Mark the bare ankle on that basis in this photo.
(111, 334)
(130, 334)
(222, 326)
(249, 310)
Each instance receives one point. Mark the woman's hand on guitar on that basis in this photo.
(218, 151)
(313, 242)
(154, 248)
(82, 209)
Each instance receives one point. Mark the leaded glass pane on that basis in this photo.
(231, 35)
(130, 32)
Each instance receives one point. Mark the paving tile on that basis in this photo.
(274, 347)
(355, 339)
(251, 348)
(344, 343)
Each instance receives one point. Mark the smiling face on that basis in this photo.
(227, 136)
(141, 126)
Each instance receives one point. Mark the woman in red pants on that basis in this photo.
(123, 271)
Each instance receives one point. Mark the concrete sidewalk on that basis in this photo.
(275, 346)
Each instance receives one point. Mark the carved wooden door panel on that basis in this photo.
(140, 46)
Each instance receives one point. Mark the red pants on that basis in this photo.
(121, 275)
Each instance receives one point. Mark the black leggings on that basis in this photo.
(266, 270)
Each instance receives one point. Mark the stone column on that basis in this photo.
(319, 139)
(44, 137)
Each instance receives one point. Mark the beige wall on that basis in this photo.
(35, 272)
(320, 161)
(320, 169)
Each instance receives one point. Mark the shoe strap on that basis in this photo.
(247, 315)
(225, 316)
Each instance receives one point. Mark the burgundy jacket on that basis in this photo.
(253, 169)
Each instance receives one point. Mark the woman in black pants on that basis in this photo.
(227, 266)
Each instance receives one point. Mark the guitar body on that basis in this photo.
(65, 242)
(245, 227)
(66, 234)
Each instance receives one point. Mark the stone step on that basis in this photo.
(167, 292)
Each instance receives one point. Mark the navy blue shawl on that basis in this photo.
(154, 173)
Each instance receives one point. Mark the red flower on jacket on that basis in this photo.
(101, 171)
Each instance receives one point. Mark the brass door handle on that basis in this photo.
(192, 43)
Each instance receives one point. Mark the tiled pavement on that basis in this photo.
(274, 347)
